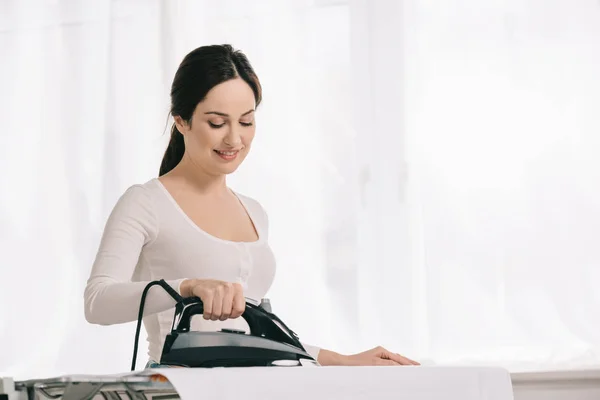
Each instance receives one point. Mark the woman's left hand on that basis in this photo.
(376, 356)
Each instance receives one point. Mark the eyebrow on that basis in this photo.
(227, 115)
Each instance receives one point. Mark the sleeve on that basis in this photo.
(313, 351)
(110, 296)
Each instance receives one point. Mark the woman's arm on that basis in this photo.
(329, 358)
(110, 297)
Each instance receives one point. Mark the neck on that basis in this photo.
(200, 179)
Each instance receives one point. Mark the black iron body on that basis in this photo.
(269, 342)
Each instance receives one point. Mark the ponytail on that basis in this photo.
(174, 152)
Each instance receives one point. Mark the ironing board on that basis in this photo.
(294, 383)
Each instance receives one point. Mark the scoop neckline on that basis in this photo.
(178, 208)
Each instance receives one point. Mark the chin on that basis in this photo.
(227, 171)
(228, 166)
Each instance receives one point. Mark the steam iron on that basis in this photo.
(269, 343)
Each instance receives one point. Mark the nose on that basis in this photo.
(233, 137)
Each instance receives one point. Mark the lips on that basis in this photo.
(227, 154)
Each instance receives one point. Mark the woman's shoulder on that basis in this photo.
(134, 211)
(138, 200)
(140, 193)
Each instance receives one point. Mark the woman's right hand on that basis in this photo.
(221, 300)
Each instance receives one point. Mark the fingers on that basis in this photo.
(239, 302)
(384, 362)
(227, 303)
(207, 301)
(401, 359)
(217, 305)
(412, 362)
(378, 356)
(397, 358)
(221, 300)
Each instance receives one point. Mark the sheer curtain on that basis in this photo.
(479, 130)
(502, 130)
(429, 169)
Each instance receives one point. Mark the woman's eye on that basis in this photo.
(246, 123)
(213, 125)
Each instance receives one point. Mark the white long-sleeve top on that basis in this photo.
(148, 237)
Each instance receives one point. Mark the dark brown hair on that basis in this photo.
(200, 71)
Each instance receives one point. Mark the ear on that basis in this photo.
(181, 125)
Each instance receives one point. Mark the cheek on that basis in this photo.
(203, 138)
(248, 136)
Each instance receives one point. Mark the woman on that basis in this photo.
(187, 226)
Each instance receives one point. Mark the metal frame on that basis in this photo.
(133, 387)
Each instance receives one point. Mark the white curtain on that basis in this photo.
(481, 126)
(429, 169)
(502, 119)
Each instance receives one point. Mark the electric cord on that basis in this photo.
(171, 292)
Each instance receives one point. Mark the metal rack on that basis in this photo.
(131, 387)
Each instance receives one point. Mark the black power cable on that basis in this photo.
(171, 292)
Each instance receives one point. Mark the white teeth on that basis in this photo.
(227, 153)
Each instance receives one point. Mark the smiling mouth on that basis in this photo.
(227, 155)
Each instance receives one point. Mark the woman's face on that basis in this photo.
(222, 128)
